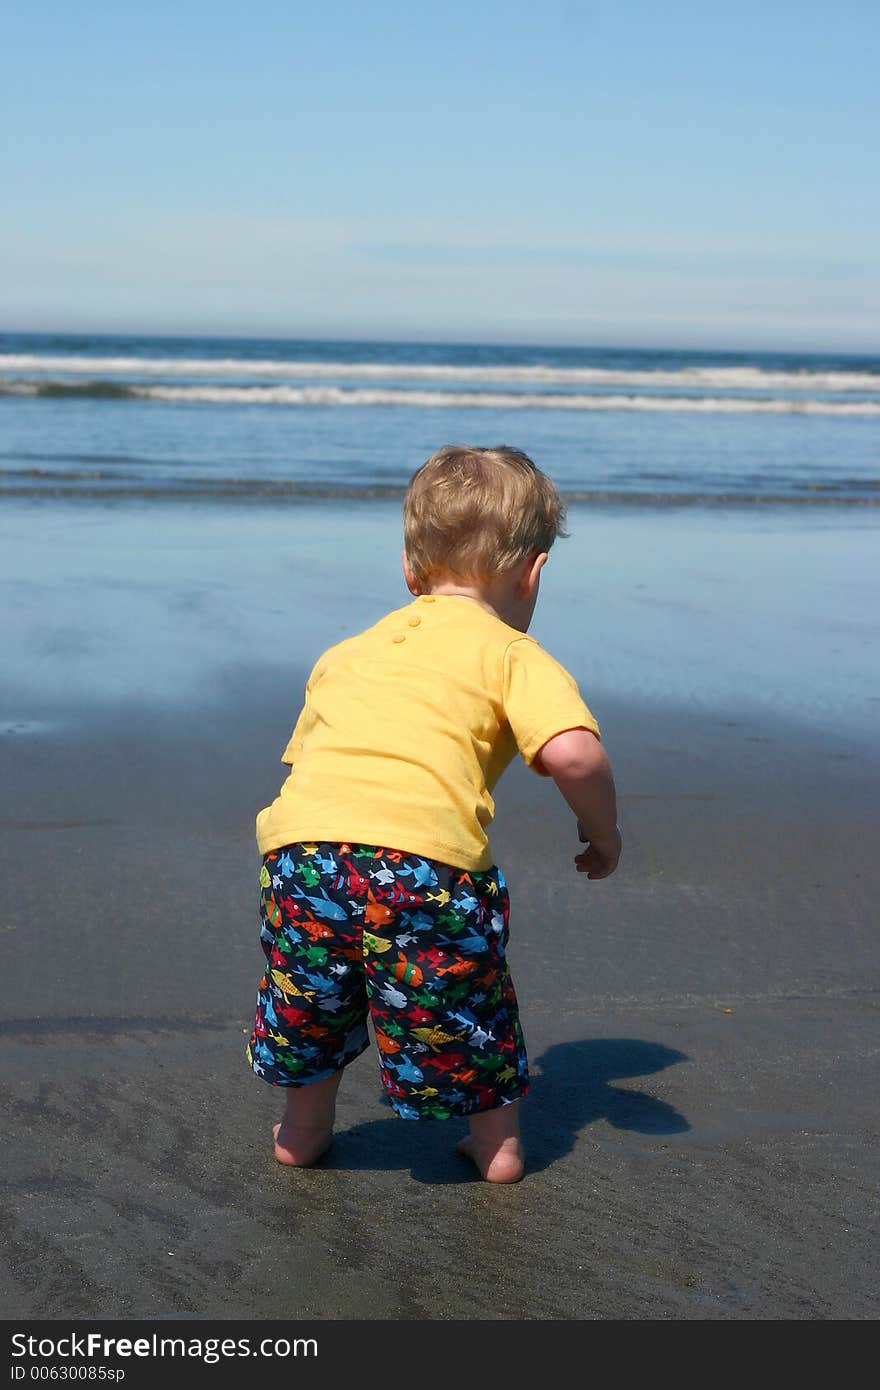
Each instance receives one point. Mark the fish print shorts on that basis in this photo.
(355, 931)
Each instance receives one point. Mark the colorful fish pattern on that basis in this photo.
(433, 978)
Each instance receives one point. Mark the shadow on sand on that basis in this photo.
(572, 1085)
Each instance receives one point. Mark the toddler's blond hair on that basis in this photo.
(473, 513)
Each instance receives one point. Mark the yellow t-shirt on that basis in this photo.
(407, 727)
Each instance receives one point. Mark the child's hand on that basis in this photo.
(599, 859)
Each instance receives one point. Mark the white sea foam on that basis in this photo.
(744, 378)
(498, 400)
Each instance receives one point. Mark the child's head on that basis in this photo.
(476, 514)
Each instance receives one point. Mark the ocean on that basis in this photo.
(139, 416)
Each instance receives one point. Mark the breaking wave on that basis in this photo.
(705, 378)
(415, 399)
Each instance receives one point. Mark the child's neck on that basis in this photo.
(500, 599)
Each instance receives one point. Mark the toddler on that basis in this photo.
(380, 897)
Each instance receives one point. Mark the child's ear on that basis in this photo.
(411, 581)
(532, 573)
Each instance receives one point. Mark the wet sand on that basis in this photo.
(703, 1032)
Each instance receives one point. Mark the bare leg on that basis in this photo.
(306, 1130)
(494, 1144)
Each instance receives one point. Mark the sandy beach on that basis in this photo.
(702, 1028)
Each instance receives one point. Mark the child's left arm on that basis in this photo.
(558, 736)
(579, 766)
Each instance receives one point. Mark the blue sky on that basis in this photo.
(683, 174)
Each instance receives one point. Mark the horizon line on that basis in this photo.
(246, 336)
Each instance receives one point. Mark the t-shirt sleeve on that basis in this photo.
(541, 699)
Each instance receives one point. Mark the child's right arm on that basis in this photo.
(579, 766)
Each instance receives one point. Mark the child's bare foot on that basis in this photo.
(494, 1144)
(503, 1165)
(306, 1131)
(300, 1147)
